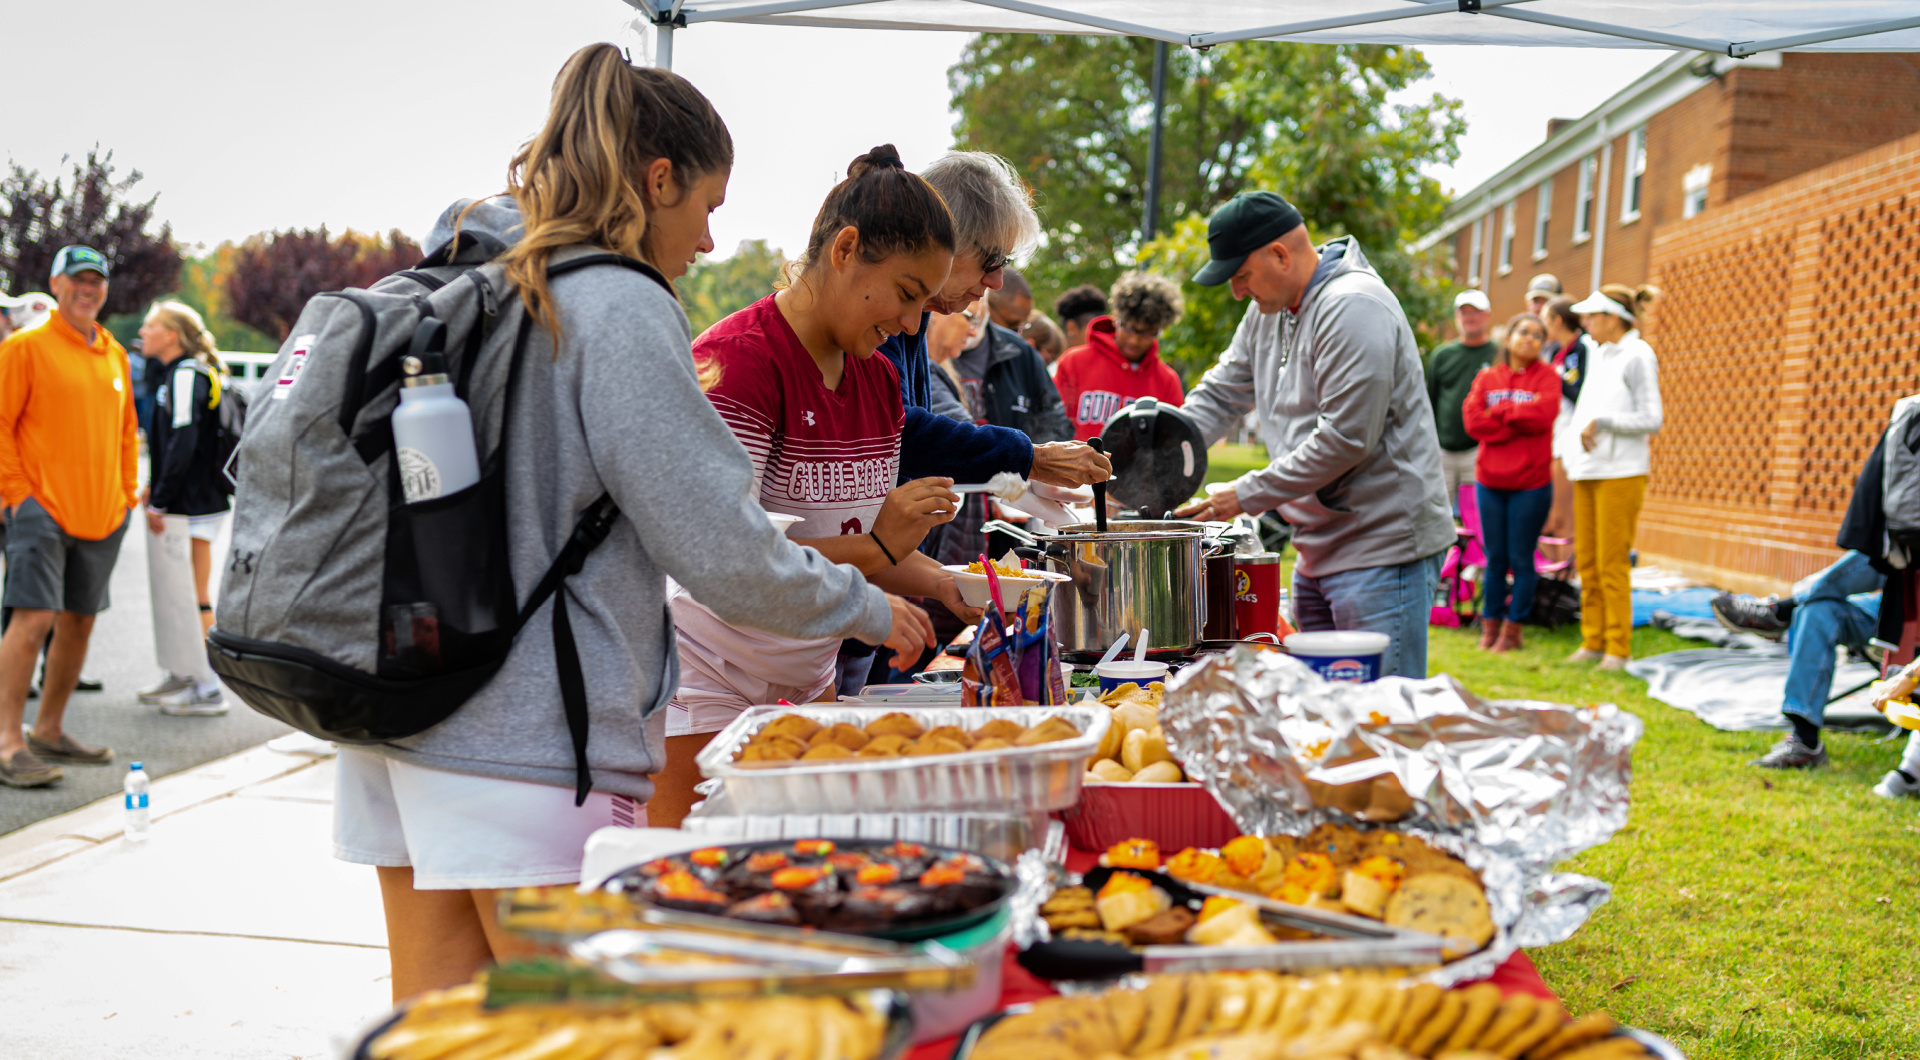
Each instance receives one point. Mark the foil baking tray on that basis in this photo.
(1023, 780)
(1001, 836)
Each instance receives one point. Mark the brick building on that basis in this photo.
(1693, 134)
(1779, 209)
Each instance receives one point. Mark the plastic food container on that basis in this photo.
(938, 1015)
(975, 591)
(1341, 655)
(1120, 671)
(1002, 836)
(1175, 816)
(1011, 780)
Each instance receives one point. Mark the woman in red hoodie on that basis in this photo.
(1511, 412)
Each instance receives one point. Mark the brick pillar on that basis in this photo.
(1794, 417)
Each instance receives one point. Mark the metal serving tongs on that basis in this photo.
(677, 962)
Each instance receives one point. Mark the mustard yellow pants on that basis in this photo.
(1605, 513)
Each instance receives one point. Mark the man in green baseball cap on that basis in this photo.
(1326, 361)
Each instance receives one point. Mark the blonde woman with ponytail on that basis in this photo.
(1617, 411)
(185, 481)
(606, 400)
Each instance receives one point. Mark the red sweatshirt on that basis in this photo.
(1097, 380)
(1511, 414)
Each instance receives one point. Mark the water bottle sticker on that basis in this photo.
(419, 478)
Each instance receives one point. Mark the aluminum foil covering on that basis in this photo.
(1511, 787)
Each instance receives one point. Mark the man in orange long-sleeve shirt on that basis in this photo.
(68, 476)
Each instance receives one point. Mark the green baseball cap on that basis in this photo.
(1247, 222)
(75, 259)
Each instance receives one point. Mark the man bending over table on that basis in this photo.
(1327, 361)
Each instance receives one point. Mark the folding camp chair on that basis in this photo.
(1461, 569)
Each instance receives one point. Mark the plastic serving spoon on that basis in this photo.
(1112, 652)
(1140, 648)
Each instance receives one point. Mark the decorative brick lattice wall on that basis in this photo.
(1792, 322)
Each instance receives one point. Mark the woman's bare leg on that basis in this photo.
(202, 575)
(673, 793)
(435, 939)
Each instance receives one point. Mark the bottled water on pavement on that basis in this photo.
(138, 818)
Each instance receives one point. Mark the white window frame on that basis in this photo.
(1634, 180)
(1583, 200)
(1542, 216)
(1506, 238)
(1693, 190)
(1476, 252)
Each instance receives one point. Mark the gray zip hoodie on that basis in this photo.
(618, 409)
(1343, 409)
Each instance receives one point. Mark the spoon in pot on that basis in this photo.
(1099, 491)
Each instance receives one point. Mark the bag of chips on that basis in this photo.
(1017, 663)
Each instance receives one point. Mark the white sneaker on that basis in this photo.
(299, 743)
(168, 685)
(193, 701)
(1896, 786)
(1615, 662)
(1585, 655)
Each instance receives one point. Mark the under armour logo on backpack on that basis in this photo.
(241, 562)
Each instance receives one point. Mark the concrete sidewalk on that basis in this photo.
(232, 932)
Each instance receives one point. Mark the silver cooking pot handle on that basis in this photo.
(1018, 533)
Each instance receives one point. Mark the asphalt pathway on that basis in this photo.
(121, 655)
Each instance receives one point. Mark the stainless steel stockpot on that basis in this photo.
(1146, 573)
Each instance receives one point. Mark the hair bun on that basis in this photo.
(886, 156)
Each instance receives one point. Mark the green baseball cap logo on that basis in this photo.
(75, 259)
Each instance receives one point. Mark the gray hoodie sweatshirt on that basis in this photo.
(1343, 409)
(618, 409)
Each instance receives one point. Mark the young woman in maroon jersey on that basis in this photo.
(821, 416)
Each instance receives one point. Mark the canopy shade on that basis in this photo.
(1728, 27)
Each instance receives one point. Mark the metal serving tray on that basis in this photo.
(1002, 836)
(1012, 780)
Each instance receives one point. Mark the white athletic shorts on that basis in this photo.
(206, 527)
(461, 832)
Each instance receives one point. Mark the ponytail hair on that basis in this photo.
(1635, 300)
(579, 180)
(183, 320)
(894, 211)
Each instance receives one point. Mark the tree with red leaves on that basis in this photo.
(274, 274)
(90, 207)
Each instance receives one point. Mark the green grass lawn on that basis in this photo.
(1226, 461)
(1755, 913)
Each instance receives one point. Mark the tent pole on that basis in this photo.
(1741, 51)
(1152, 222)
(663, 45)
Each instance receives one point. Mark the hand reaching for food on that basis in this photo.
(910, 510)
(912, 632)
(1069, 464)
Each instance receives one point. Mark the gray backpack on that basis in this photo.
(345, 611)
(1900, 484)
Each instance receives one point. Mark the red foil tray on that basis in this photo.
(1175, 816)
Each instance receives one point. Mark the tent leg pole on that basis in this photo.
(1151, 223)
(663, 46)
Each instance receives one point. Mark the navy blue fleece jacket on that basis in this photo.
(935, 445)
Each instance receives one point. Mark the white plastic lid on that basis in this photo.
(1338, 642)
(1129, 668)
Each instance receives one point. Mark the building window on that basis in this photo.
(1583, 200)
(1506, 239)
(1694, 187)
(1542, 213)
(1636, 172)
(1474, 254)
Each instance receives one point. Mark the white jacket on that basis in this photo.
(1621, 395)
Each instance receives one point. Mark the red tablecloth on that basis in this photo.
(1516, 975)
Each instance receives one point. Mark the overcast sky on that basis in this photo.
(373, 114)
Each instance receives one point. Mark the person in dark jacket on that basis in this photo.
(185, 477)
(1842, 604)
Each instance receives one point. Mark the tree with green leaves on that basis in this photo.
(712, 289)
(1317, 123)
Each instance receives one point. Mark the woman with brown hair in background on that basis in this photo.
(1572, 348)
(1617, 412)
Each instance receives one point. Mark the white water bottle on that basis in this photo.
(432, 428)
(139, 819)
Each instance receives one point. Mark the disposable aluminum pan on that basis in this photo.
(1003, 836)
(1011, 780)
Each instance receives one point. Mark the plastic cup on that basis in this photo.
(1114, 674)
(1351, 656)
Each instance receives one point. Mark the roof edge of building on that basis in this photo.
(1672, 80)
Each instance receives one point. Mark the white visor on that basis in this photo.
(1600, 303)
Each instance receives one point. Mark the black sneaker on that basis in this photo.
(1790, 753)
(1749, 614)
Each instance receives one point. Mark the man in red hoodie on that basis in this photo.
(1121, 360)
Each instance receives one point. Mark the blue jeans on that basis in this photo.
(1839, 605)
(1510, 522)
(1396, 601)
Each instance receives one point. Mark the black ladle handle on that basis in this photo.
(1099, 490)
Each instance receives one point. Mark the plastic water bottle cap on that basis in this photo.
(136, 765)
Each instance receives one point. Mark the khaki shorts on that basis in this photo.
(49, 569)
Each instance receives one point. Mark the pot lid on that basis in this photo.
(1159, 458)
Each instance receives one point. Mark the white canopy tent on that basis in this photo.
(1736, 28)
